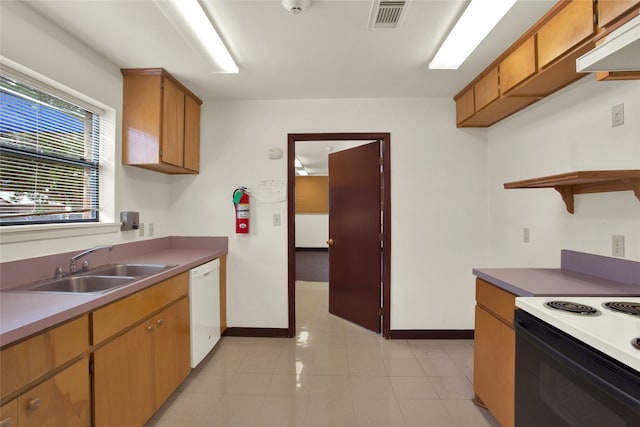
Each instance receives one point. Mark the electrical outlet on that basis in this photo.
(617, 115)
(525, 235)
(141, 229)
(617, 245)
(276, 220)
(151, 229)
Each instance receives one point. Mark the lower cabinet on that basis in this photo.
(62, 400)
(137, 371)
(494, 352)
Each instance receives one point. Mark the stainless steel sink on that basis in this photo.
(83, 284)
(97, 280)
(136, 270)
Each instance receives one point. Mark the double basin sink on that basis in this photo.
(98, 280)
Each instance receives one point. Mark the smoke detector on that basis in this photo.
(296, 6)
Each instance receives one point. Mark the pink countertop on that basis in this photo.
(580, 274)
(25, 313)
(528, 282)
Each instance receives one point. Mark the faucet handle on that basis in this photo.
(85, 265)
(58, 273)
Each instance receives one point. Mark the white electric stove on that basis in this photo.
(615, 333)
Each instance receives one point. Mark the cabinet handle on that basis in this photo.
(7, 422)
(150, 328)
(33, 404)
(160, 322)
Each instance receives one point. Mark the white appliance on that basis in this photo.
(204, 303)
(612, 332)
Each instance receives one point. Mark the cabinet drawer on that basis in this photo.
(62, 400)
(495, 300)
(9, 414)
(116, 317)
(487, 89)
(572, 25)
(28, 360)
(518, 66)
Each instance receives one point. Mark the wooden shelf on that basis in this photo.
(584, 182)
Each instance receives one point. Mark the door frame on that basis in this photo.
(385, 140)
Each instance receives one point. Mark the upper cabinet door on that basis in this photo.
(609, 10)
(191, 133)
(172, 124)
(572, 25)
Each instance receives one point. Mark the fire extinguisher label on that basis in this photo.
(242, 214)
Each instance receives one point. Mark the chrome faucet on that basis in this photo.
(85, 265)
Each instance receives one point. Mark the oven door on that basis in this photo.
(561, 381)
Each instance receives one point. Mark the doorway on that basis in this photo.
(385, 238)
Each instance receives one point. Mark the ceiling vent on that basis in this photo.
(387, 13)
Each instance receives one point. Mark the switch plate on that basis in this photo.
(151, 229)
(525, 235)
(276, 220)
(617, 245)
(141, 229)
(617, 115)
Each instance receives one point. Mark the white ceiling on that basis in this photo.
(328, 51)
(325, 52)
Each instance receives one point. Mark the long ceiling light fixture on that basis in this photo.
(476, 22)
(192, 22)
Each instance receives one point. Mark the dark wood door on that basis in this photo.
(354, 235)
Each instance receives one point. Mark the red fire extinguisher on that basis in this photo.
(241, 203)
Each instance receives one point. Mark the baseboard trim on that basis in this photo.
(312, 249)
(432, 334)
(256, 332)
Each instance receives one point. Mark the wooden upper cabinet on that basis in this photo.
(565, 30)
(518, 66)
(539, 63)
(487, 89)
(160, 122)
(610, 10)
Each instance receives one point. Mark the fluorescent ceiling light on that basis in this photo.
(297, 163)
(476, 22)
(302, 172)
(195, 26)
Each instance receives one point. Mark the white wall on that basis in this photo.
(569, 131)
(32, 41)
(439, 221)
(312, 230)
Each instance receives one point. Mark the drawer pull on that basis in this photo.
(7, 422)
(33, 405)
(160, 322)
(150, 328)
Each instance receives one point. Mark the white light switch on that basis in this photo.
(276, 220)
(617, 115)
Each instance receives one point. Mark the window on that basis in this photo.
(49, 154)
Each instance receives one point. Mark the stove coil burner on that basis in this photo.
(572, 307)
(624, 307)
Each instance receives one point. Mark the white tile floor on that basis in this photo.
(333, 373)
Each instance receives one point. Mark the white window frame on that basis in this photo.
(107, 221)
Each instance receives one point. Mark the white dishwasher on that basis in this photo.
(204, 303)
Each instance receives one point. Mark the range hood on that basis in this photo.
(619, 52)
